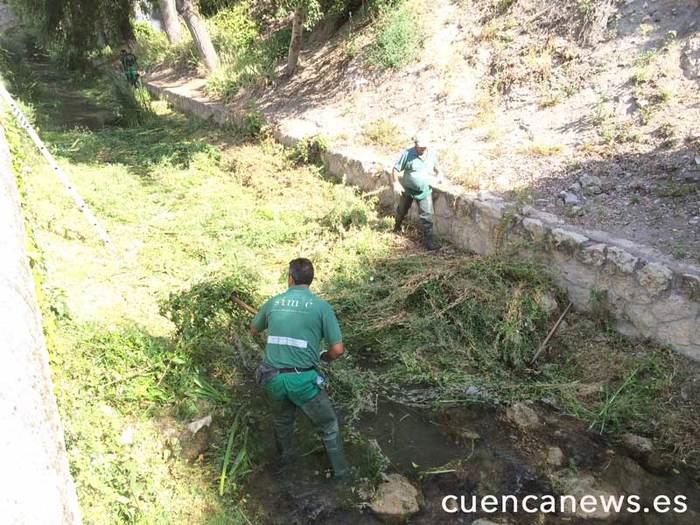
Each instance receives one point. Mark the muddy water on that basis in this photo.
(474, 450)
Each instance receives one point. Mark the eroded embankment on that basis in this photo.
(145, 340)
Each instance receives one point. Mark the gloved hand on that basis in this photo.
(398, 189)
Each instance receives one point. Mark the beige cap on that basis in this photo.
(421, 139)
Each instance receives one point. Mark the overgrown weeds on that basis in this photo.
(133, 104)
(149, 334)
(399, 36)
(383, 133)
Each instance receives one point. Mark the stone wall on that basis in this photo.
(649, 294)
(35, 482)
(7, 19)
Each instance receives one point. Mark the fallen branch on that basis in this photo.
(551, 333)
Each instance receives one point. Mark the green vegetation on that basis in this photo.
(143, 338)
(399, 36)
(153, 48)
(384, 133)
(309, 149)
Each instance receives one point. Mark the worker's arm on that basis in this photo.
(396, 183)
(259, 322)
(332, 335)
(396, 172)
(333, 352)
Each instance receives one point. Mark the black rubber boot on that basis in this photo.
(321, 413)
(429, 241)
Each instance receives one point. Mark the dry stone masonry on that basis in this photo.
(649, 294)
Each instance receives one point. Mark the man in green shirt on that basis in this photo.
(296, 321)
(418, 166)
(128, 61)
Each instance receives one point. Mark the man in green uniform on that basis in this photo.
(128, 61)
(418, 166)
(296, 321)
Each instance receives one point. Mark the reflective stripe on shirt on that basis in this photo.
(288, 341)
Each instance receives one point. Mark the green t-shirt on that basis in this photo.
(296, 321)
(416, 172)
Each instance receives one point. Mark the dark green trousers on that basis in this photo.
(322, 414)
(425, 207)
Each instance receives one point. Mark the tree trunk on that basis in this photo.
(171, 24)
(295, 43)
(199, 32)
(124, 27)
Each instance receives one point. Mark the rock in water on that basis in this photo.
(637, 446)
(523, 416)
(580, 485)
(396, 499)
(555, 457)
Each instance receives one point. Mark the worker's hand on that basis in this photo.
(398, 189)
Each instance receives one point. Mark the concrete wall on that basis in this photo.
(649, 294)
(7, 18)
(35, 483)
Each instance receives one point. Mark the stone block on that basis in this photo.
(490, 208)
(623, 261)
(626, 289)
(690, 284)
(568, 240)
(535, 228)
(643, 318)
(680, 331)
(655, 278)
(674, 308)
(593, 255)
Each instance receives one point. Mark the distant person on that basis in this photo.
(129, 66)
(419, 172)
(296, 321)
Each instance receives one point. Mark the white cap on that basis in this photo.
(421, 139)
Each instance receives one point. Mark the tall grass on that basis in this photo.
(398, 36)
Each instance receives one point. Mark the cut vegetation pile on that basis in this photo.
(438, 331)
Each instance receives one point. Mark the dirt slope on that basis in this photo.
(527, 100)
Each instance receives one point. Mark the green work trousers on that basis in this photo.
(425, 207)
(322, 414)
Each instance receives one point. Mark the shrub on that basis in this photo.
(133, 104)
(309, 149)
(233, 29)
(249, 66)
(383, 133)
(253, 123)
(153, 48)
(398, 39)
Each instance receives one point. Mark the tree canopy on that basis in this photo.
(78, 26)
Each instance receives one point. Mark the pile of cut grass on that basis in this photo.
(424, 329)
